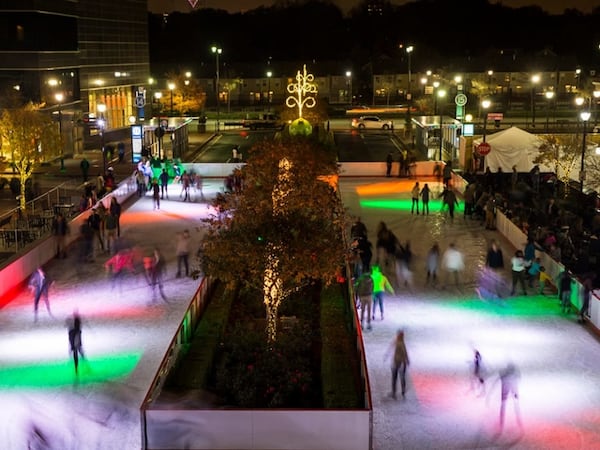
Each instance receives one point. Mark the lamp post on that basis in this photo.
(579, 101)
(409, 51)
(585, 116)
(485, 104)
(596, 95)
(535, 79)
(171, 87)
(157, 97)
(489, 74)
(102, 125)
(217, 51)
(549, 96)
(441, 94)
(349, 78)
(436, 85)
(59, 96)
(269, 75)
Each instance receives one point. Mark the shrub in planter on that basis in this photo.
(256, 374)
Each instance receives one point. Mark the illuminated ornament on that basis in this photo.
(193, 3)
(300, 127)
(301, 91)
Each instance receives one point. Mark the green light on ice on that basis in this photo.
(62, 373)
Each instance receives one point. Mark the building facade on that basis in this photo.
(72, 55)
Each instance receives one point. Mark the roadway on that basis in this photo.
(353, 145)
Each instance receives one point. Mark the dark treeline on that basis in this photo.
(443, 32)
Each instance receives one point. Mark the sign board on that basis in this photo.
(460, 99)
(137, 142)
(484, 149)
(495, 116)
(468, 129)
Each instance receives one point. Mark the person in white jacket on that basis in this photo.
(453, 262)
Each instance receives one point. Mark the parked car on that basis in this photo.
(372, 122)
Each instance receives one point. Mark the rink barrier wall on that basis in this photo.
(17, 270)
(245, 429)
(347, 169)
(258, 429)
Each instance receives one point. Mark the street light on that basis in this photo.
(535, 79)
(596, 95)
(436, 85)
(485, 104)
(409, 51)
(269, 75)
(549, 96)
(102, 126)
(217, 51)
(157, 96)
(585, 116)
(489, 74)
(59, 96)
(349, 77)
(441, 94)
(171, 87)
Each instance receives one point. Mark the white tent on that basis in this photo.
(511, 147)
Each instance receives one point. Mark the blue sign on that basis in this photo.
(137, 142)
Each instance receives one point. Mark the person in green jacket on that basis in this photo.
(380, 285)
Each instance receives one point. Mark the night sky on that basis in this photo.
(159, 6)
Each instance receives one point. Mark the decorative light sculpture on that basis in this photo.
(301, 91)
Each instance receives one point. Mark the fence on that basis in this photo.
(19, 228)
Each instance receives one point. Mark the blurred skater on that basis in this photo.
(400, 362)
(509, 387)
(76, 348)
(477, 380)
(39, 284)
(380, 285)
(364, 290)
(156, 275)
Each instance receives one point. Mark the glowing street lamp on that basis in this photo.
(217, 51)
(489, 74)
(409, 51)
(436, 85)
(585, 117)
(535, 79)
(549, 96)
(441, 94)
(485, 104)
(59, 96)
(349, 78)
(269, 75)
(171, 87)
(102, 126)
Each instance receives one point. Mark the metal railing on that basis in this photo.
(19, 228)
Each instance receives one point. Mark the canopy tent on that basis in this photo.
(511, 147)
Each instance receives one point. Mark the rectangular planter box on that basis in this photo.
(258, 429)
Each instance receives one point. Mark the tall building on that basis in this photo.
(73, 55)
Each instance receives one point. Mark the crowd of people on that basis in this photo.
(393, 261)
(557, 218)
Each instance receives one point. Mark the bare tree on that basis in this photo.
(561, 152)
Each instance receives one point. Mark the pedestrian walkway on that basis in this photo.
(126, 333)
